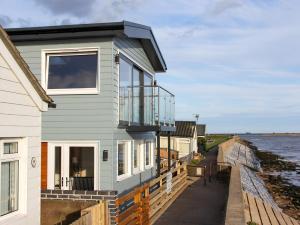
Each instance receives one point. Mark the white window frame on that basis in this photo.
(140, 157)
(21, 156)
(151, 162)
(128, 150)
(66, 145)
(68, 51)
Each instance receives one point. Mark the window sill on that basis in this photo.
(136, 172)
(148, 167)
(83, 91)
(11, 216)
(123, 177)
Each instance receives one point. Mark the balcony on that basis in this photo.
(146, 108)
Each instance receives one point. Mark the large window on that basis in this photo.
(135, 93)
(70, 72)
(10, 161)
(123, 159)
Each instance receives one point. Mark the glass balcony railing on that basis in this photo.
(146, 105)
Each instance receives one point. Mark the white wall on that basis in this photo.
(20, 118)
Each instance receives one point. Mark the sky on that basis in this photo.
(236, 63)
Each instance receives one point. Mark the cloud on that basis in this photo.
(222, 6)
(76, 8)
(5, 20)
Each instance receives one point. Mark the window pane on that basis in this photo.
(81, 170)
(9, 187)
(72, 71)
(125, 82)
(11, 148)
(136, 90)
(121, 158)
(57, 169)
(135, 156)
(148, 98)
(147, 153)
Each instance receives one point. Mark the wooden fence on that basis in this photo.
(145, 204)
(94, 215)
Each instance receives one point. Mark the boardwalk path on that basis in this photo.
(199, 204)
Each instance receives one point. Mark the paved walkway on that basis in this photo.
(199, 204)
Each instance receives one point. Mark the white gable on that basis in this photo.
(11, 71)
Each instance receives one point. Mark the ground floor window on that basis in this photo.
(138, 155)
(9, 182)
(148, 153)
(123, 159)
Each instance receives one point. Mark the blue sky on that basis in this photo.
(233, 62)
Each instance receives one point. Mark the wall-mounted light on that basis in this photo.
(117, 58)
(105, 155)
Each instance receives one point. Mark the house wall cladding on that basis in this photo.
(133, 49)
(92, 117)
(20, 118)
(79, 117)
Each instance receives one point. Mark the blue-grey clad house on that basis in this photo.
(101, 134)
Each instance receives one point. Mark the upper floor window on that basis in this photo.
(135, 93)
(72, 72)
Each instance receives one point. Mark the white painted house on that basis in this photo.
(22, 101)
(184, 140)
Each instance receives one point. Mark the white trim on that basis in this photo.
(135, 62)
(68, 51)
(128, 154)
(151, 157)
(22, 159)
(22, 78)
(66, 145)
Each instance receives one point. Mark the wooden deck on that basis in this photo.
(263, 214)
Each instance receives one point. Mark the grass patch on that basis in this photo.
(213, 140)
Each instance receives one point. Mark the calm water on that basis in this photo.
(286, 146)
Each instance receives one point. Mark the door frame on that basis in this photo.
(67, 144)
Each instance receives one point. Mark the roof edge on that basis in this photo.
(23, 65)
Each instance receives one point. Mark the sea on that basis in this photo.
(286, 146)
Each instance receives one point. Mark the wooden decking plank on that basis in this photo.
(287, 219)
(246, 210)
(279, 217)
(263, 214)
(255, 217)
(271, 214)
(294, 221)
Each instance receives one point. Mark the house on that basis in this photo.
(22, 101)
(101, 135)
(183, 140)
(201, 128)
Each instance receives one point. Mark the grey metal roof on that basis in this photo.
(183, 129)
(201, 129)
(78, 31)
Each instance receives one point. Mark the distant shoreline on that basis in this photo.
(259, 134)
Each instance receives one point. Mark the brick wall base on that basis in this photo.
(109, 196)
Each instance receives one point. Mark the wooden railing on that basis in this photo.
(145, 204)
(94, 215)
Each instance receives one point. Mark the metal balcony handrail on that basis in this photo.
(153, 86)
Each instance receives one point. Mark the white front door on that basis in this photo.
(72, 166)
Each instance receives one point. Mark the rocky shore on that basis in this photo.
(285, 194)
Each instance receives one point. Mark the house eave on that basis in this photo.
(96, 30)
